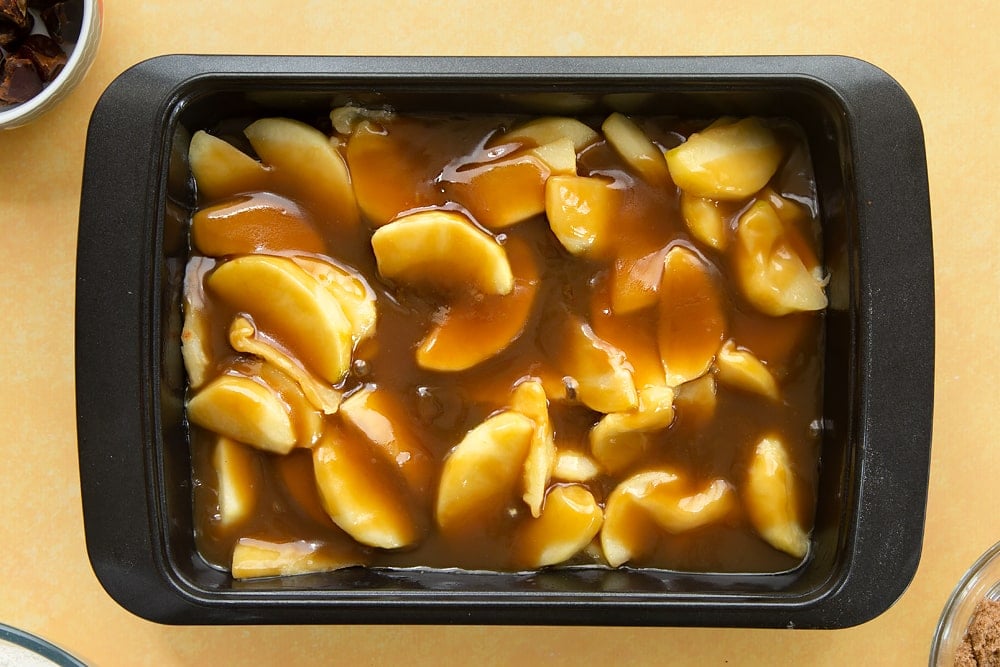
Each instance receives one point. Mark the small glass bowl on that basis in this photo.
(77, 64)
(981, 581)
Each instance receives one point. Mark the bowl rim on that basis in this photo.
(79, 60)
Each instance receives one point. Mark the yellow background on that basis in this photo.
(945, 54)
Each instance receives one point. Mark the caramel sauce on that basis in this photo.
(437, 408)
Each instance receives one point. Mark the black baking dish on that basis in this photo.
(868, 152)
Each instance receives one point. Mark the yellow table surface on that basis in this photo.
(945, 54)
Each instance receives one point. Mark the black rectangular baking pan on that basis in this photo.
(868, 152)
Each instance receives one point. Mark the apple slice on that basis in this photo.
(558, 156)
(307, 420)
(632, 144)
(599, 371)
(308, 166)
(253, 558)
(741, 369)
(289, 305)
(677, 510)
(619, 439)
(635, 281)
(238, 476)
(582, 211)
(573, 466)
(442, 249)
(221, 170)
(663, 499)
(260, 222)
(471, 331)
(501, 193)
(691, 318)
(243, 338)
(297, 478)
(384, 173)
(196, 332)
(726, 161)
(482, 470)
(695, 401)
(541, 131)
(347, 119)
(628, 532)
(244, 410)
(500, 187)
(378, 416)
(363, 494)
(633, 333)
(529, 399)
(352, 291)
(705, 220)
(569, 522)
(769, 271)
(769, 495)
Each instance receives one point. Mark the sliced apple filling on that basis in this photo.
(254, 223)
(306, 164)
(443, 250)
(620, 439)
(739, 368)
(378, 416)
(594, 325)
(196, 349)
(568, 522)
(705, 220)
(244, 410)
(581, 211)
(483, 469)
(238, 477)
(548, 130)
(290, 306)
(295, 158)
(529, 399)
(573, 466)
(254, 559)
(243, 338)
(638, 151)
(662, 498)
(221, 170)
(771, 274)
(472, 329)
(770, 497)
(599, 372)
(367, 499)
(726, 161)
(509, 189)
(385, 175)
(691, 318)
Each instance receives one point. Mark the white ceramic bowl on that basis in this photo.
(80, 58)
